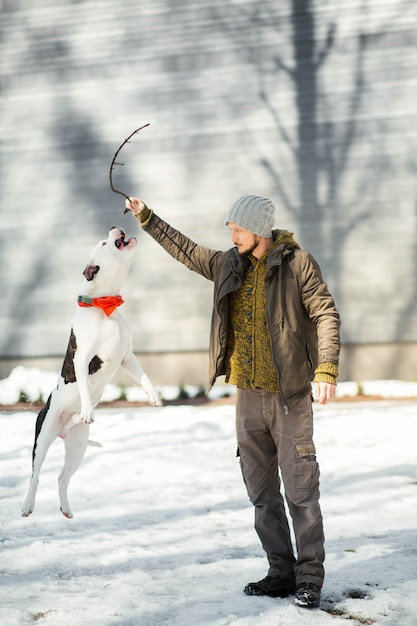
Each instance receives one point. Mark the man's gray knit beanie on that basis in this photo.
(253, 213)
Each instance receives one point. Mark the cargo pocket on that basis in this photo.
(306, 468)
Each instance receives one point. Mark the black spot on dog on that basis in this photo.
(68, 370)
(94, 365)
(39, 421)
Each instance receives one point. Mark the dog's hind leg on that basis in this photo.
(76, 443)
(46, 432)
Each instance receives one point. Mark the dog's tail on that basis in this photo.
(94, 444)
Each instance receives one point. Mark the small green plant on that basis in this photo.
(200, 392)
(23, 397)
(182, 393)
(40, 615)
(123, 395)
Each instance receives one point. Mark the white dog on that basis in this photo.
(100, 342)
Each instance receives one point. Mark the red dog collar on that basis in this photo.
(106, 303)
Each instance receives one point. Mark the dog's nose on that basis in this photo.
(122, 233)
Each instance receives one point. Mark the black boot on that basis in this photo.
(308, 595)
(273, 586)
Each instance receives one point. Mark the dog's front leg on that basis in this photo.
(132, 366)
(81, 363)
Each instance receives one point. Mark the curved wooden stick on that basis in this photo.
(114, 162)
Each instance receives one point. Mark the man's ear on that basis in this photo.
(90, 271)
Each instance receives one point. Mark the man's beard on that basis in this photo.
(249, 250)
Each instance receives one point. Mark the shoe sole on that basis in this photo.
(280, 594)
(307, 605)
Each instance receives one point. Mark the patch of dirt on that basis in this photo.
(363, 398)
(122, 404)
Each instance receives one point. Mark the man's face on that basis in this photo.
(245, 241)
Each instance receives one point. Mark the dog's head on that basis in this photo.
(110, 261)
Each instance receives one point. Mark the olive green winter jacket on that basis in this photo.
(301, 314)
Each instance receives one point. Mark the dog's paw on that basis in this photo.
(67, 512)
(154, 399)
(86, 417)
(151, 392)
(27, 509)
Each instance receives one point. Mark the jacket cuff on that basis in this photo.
(326, 373)
(144, 217)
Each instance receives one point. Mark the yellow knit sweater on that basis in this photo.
(249, 362)
(249, 357)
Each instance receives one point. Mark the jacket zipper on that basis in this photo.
(281, 326)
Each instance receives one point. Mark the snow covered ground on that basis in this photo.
(163, 534)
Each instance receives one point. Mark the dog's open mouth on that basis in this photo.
(121, 242)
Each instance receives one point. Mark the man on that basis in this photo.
(274, 329)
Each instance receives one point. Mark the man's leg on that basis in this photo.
(300, 475)
(259, 464)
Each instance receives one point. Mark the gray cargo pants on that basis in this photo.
(267, 440)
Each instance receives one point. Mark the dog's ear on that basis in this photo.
(90, 271)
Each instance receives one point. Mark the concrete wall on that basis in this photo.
(310, 103)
